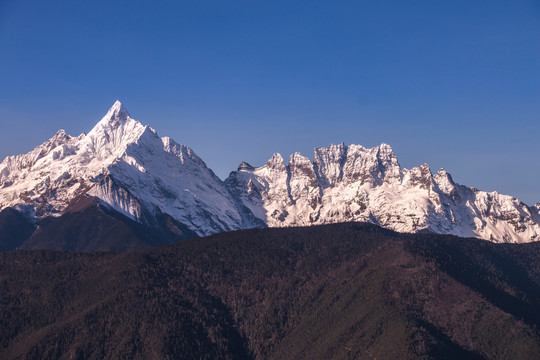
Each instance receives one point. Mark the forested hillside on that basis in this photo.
(343, 291)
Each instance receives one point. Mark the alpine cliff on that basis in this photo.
(352, 183)
(130, 173)
(122, 176)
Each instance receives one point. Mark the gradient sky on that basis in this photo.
(455, 84)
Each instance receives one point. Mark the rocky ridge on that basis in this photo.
(353, 183)
(127, 168)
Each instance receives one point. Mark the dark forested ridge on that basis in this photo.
(15, 228)
(87, 226)
(343, 291)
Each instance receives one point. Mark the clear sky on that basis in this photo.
(455, 84)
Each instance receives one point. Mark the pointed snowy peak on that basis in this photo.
(60, 134)
(60, 138)
(300, 163)
(423, 171)
(331, 154)
(112, 134)
(443, 175)
(117, 110)
(276, 161)
(425, 168)
(244, 166)
(297, 157)
(419, 176)
(22, 161)
(443, 172)
(385, 152)
(116, 115)
(384, 147)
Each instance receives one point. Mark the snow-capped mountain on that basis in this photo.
(126, 166)
(128, 169)
(352, 183)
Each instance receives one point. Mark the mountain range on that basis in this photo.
(123, 181)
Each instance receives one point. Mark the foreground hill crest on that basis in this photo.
(340, 291)
(126, 167)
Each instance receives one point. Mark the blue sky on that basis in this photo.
(455, 84)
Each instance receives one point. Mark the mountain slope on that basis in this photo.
(88, 226)
(352, 183)
(322, 292)
(15, 228)
(126, 167)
